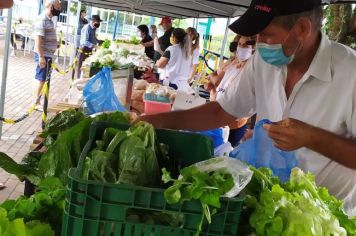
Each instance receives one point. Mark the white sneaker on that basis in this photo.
(39, 107)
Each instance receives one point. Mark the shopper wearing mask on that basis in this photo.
(88, 41)
(220, 81)
(176, 61)
(146, 40)
(194, 37)
(301, 81)
(46, 44)
(162, 43)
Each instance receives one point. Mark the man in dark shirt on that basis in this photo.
(88, 41)
(165, 40)
(146, 41)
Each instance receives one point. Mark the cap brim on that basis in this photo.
(251, 23)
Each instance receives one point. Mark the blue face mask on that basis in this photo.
(274, 54)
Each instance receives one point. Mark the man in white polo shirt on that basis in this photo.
(303, 82)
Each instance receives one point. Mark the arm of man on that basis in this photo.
(39, 42)
(148, 44)
(163, 61)
(291, 134)
(205, 117)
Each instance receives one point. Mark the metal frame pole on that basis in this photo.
(116, 24)
(224, 41)
(67, 34)
(5, 65)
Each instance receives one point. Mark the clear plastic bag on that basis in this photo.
(240, 172)
(259, 151)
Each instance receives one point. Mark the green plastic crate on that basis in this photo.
(94, 208)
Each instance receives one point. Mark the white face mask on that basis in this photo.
(244, 54)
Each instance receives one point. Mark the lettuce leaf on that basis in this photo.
(298, 207)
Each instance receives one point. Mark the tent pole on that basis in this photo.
(75, 35)
(116, 24)
(224, 41)
(40, 6)
(67, 34)
(5, 65)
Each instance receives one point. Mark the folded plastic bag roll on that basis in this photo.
(259, 151)
(99, 94)
(240, 172)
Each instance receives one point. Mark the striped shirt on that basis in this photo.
(44, 27)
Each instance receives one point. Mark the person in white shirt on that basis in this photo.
(194, 37)
(176, 62)
(221, 79)
(300, 80)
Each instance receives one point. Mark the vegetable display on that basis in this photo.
(297, 207)
(127, 157)
(197, 185)
(62, 153)
(135, 157)
(40, 214)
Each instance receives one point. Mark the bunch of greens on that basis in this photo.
(297, 207)
(62, 153)
(40, 214)
(150, 217)
(197, 185)
(127, 157)
(106, 44)
(19, 227)
(59, 123)
(134, 40)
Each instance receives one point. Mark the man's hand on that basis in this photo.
(290, 134)
(42, 62)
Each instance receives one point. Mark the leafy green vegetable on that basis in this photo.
(61, 122)
(106, 44)
(18, 227)
(26, 169)
(197, 185)
(65, 150)
(127, 157)
(45, 206)
(297, 207)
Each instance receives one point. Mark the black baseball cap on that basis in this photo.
(96, 18)
(261, 13)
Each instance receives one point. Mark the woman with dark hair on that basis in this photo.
(146, 38)
(176, 61)
(194, 37)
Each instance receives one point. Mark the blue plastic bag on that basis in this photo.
(216, 135)
(259, 151)
(99, 94)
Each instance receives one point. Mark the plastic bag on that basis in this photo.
(259, 151)
(240, 172)
(99, 94)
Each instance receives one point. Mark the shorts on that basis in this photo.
(43, 73)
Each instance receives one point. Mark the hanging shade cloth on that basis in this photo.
(182, 8)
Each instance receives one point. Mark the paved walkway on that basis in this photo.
(16, 139)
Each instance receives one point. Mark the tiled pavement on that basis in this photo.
(16, 139)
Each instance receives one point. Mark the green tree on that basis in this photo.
(340, 23)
